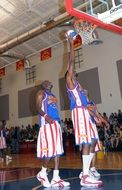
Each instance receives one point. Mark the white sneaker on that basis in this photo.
(94, 173)
(87, 181)
(8, 157)
(42, 177)
(80, 175)
(59, 183)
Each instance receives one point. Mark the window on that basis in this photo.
(31, 75)
(78, 58)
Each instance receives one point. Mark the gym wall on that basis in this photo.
(100, 69)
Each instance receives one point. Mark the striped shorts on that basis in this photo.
(85, 130)
(49, 142)
(2, 143)
(95, 136)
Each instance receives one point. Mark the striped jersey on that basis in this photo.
(50, 107)
(77, 96)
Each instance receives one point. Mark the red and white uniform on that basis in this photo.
(49, 143)
(85, 130)
(2, 141)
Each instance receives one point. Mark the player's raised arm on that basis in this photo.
(71, 62)
(70, 73)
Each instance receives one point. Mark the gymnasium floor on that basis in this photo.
(19, 174)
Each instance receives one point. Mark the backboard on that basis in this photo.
(106, 14)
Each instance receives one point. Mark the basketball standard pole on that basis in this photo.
(91, 6)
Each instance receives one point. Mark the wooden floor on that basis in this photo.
(20, 173)
(111, 160)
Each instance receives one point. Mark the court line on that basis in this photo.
(112, 174)
(25, 178)
(37, 187)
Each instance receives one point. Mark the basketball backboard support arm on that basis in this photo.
(102, 1)
(86, 17)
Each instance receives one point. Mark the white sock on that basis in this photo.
(86, 164)
(44, 169)
(55, 174)
(91, 156)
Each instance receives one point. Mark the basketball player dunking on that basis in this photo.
(85, 132)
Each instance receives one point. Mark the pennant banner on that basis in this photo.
(2, 72)
(19, 65)
(45, 54)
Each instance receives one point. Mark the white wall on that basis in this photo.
(103, 56)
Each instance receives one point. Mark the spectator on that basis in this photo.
(3, 145)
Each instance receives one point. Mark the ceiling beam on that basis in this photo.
(33, 33)
(47, 25)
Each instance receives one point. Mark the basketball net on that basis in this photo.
(87, 32)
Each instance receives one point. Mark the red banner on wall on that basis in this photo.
(19, 65)
(45, 54)
(2, 72)
(77, 41)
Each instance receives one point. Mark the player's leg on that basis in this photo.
(86, 179)
(42, 175)
(56, 180)
(93, 170)
(88, 154)
(42, 153)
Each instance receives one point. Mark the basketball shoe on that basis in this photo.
(88, 181)
(8, 157)
(42, 177)
(57, 182)
(94, 173)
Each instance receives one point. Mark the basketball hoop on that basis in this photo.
(87, 31)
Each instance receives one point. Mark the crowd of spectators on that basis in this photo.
(110, 135)
(17, 135)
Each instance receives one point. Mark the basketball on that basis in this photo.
(71, 34)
